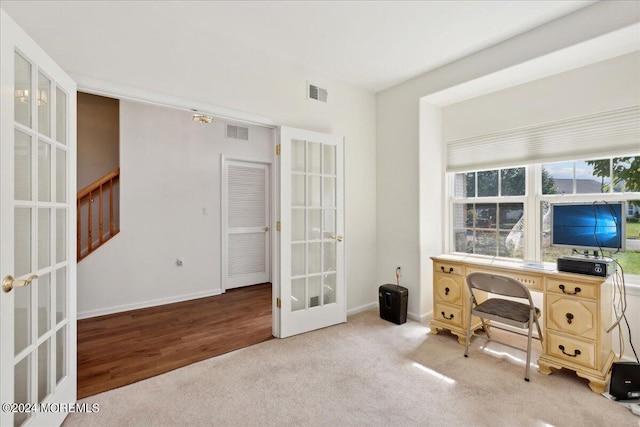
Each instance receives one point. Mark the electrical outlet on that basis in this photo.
(179, 262)
(399, 269)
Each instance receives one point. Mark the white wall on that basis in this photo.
(171, 173)
(406, 188)
(603, 86)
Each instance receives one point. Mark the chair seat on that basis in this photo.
(512, 310)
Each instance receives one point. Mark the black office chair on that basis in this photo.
(506, 311)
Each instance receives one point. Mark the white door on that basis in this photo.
(37, 233)
(246, 258)
(312, 289)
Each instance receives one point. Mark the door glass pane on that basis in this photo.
(44, 302)
(44, 106)
(315, 287)
(61, 353)
(44, 172)
(314, 254)
(22, 379)
(22, 168)
(297, 294)
(297, 190)
(329, 226)
(297, 224)
(297, 259)
(43, 370)
(61, 116)
(61, 176)
(61, 235)
(329, 288)
(22, 91)
(22, 246)
(329, 192)
(329, 160)
(44, 237)
(314, 156)
(329, 256)
(22, 318)
(314, 191)
(61, 294)
(315, 222)
(297, 156)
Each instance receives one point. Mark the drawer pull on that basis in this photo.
(448, 272)
(445, 316)
(576, 352)
(446, 291)
(569, 318)
(576, 290)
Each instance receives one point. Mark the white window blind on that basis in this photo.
(615, 132)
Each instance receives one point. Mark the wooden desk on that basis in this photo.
(576, 312)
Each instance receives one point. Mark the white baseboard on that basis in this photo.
(362, 308)
(145, 304)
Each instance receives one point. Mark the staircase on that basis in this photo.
(96, 203)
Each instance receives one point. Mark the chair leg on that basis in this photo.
(530, 336)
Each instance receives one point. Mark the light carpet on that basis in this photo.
(366, 372)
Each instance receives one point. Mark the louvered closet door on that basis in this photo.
(246, 257)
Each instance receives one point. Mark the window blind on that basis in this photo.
(615, 132)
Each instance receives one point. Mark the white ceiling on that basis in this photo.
(369, 44)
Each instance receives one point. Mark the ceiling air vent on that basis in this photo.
(317, 93)
(237, 132)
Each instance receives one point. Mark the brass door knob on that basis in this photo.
(8, 283)
(338, 238)
(265, 229)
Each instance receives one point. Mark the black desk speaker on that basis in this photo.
(625, 380)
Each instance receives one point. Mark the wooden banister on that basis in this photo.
(86, 197)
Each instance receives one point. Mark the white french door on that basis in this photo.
(246, 255)
(312, 288)
(37, 232)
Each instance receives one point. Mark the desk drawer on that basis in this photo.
(567, 287)
(531, 281)
(448, 288)
(571, 349)
(447, 268)
(573, 316)
(449, 314)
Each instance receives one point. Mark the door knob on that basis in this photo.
(338, 238)
(265, 229)
(8, 283)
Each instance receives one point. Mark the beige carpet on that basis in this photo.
(367, 372)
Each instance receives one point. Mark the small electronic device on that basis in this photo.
(625, 380)
(603, 267)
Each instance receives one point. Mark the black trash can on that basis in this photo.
(393, 303)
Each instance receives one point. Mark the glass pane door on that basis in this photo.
(311, 240)
(37, 361)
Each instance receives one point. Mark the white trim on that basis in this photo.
(362, 308)
(146, 304)
(144, 96)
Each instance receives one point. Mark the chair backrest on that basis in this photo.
(497, 284)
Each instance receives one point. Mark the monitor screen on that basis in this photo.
(588, 226)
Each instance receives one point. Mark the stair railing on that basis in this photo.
(102, 189)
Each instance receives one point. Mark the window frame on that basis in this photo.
(532, 200)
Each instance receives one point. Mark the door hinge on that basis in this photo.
(278, 302)
(278, 226)
(278, 150)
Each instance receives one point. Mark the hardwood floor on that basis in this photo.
(123, 348)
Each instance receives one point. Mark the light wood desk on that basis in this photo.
(576, 312)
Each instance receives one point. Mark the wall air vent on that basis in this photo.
(314, 301)
(237, 132)
(316, 92)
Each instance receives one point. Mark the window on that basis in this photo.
(484, 222)
(491, 209)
